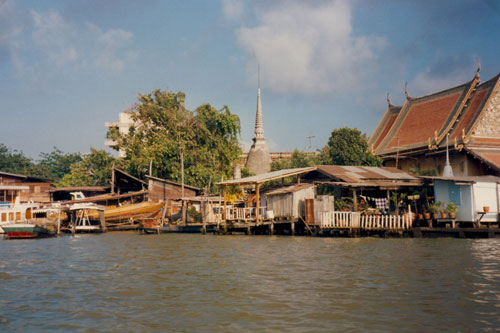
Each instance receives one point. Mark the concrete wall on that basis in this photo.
(470, 199)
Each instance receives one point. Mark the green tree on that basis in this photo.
(13, 161)
(299, 159)
(58, 163)
(348, 146)
(93, 170)
(165, 132)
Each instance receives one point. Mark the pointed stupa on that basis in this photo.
(259, 159)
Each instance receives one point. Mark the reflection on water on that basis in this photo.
(129, 282)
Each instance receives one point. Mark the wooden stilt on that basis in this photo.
(292, 228)
(59, 224)
(103, 221)
(257, 203)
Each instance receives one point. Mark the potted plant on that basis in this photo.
(434, 209)
(486, 209)
(451, 209)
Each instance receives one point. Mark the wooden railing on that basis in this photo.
(386, 222)
(246, 213)
(354, 220)
(340, 219)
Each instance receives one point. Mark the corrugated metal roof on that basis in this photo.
(290, 189)
(362, 174)
(470, 179)
(267, 176)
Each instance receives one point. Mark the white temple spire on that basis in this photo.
(448, 171)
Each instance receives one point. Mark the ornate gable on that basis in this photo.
(488, 124)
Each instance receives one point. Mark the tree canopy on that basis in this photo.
(348, 146)
(94, 169)
(299, 159)
(165, 132)
(58, 163)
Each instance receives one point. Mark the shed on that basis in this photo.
(289, 201)
(470, 194)
(165, 189)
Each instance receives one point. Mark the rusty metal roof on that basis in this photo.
(290, 189)
(365, 174)
(268, 176)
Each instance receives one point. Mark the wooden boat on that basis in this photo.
(130, 211)
(120, 215)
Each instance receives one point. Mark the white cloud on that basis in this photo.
(47, 45)
(54, 37)
(109, 45)
(232, 9)
(306, 47)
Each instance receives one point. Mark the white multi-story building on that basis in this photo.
(124, 123)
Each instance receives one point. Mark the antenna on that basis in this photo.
(310, 137)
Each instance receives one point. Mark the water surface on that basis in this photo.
(195, 283)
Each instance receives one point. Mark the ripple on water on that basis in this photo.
(127, 282)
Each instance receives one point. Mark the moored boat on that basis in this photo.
(28, 230)
(16, 212)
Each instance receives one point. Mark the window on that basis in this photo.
(4, 217)
(454, 194)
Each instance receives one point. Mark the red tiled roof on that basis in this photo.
(421, 117)
(422, 120)
(472, 111)
(385, 125)
(488, 156)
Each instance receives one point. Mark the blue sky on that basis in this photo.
(69, 66)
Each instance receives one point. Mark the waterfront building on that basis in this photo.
(259, 159)
(29, 188)
(412, 137)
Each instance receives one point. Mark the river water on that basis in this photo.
(195, 283)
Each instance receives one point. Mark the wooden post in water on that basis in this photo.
(257, 203)
(271, 229)
(184, 212)
(73, 227)
(204, 206)
(59, 223)
(103, 221)
(292, 228)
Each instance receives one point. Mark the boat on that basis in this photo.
(16, 212)
(123, 215)
(82, 220)
(28, 230)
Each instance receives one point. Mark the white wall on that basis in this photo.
(485, 194)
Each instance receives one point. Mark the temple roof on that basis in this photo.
(422, 123)
(390, 115)
(489, 156)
